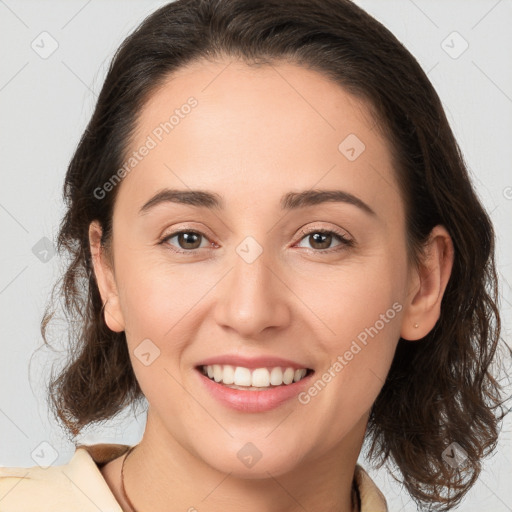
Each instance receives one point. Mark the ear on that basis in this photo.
(105, 279)
(428, 283)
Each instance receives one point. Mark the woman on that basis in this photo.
(281, 250)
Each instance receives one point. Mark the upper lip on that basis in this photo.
(252, 362)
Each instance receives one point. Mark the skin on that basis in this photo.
(264, 132)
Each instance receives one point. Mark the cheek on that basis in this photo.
(345, 302)
(361, 321)
(162, 302)
(158, 306)
(343, 391)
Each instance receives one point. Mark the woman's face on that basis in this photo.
(268, 272)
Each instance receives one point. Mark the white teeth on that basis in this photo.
(299, 374)
(229, 374)
(242, 376)
(276, 376)
(217, 372)
(261, 378)
(288, 375)
(257, 378)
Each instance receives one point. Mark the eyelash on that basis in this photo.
(344, 241)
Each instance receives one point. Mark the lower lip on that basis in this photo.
(253, 401)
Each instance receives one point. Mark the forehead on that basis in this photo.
(212, 124)
(238, 93)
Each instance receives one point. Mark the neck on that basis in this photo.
(164, 475)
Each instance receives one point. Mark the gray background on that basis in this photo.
(45, 102)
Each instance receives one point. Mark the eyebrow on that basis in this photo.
(290, 201)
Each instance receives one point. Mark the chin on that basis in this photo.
(253, 460)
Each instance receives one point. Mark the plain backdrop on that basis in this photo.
(54, 58)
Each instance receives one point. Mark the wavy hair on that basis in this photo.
(440, 390)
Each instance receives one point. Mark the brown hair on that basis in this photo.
(439, 390)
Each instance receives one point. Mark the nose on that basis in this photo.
(253, 297)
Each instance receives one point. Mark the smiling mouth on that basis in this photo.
(257, 379)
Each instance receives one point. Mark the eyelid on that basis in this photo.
(170, 231)
(342, 233)
(166, 235)
(345, 241)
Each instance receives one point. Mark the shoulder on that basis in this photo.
(75, 486)
(371, 498)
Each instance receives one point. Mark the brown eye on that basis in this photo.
(322, 240)
(187, 241)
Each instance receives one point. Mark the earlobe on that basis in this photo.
(423, 305)
(105, 280)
